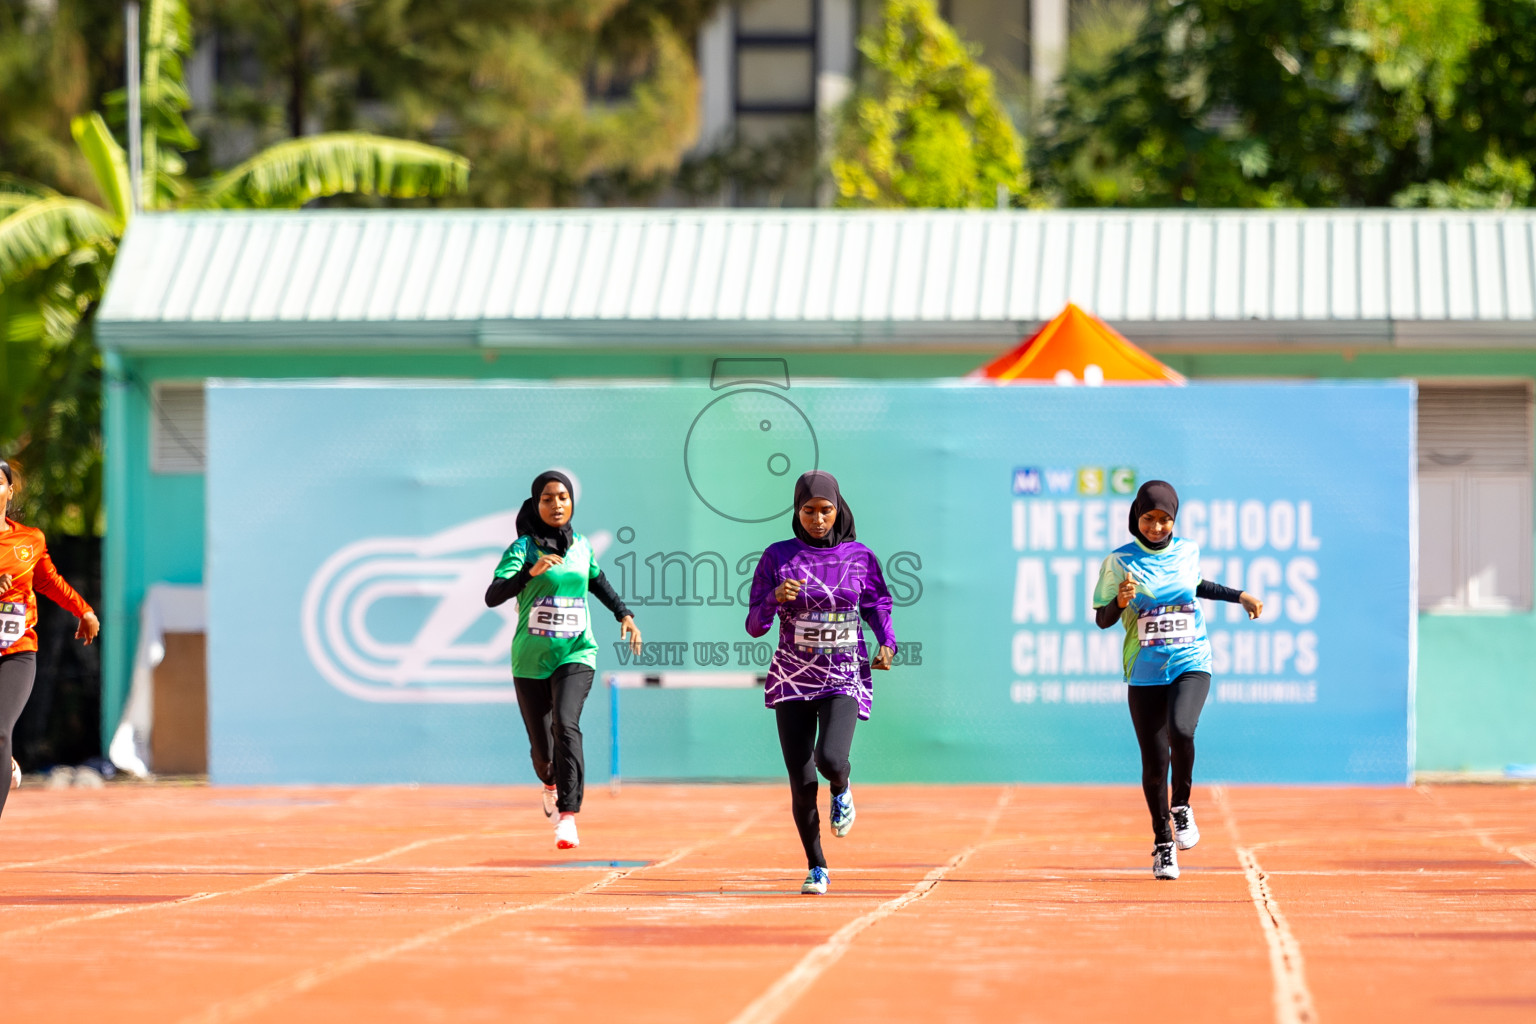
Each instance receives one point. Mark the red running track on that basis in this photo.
(977, 903)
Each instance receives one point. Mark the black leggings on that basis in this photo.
(552, 714)
(16, 674)
(1165, 718)
(805, 753)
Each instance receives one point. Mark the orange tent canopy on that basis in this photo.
(1074, 341)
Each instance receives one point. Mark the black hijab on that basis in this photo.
(1156, 495)
(549, 538)
(818, 484)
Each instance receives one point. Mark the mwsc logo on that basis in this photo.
(1090, 481)
(426, 596)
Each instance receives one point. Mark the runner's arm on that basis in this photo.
(762, 606)
(875, 605)
(501, 591)
(47, 581)
(512, 575)
(1108, 612)
(604, 592)
(1216, 592)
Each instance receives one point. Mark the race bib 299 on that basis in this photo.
(560, 617)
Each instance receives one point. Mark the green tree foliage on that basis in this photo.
(43, 83)
(1495, 183)
(551, 99)
(56, 252)
(925, 127)
(1266, 103)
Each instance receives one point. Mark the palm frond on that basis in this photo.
(108, 163)
(292, 173)
(47, 230)
(12, 185)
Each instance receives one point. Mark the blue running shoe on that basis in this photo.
(842, 812)
(815, 883)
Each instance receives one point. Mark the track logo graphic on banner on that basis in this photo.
(427, 596)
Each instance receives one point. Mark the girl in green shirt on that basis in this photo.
(549, 569)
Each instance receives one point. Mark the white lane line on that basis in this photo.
(139, 908)
(297, 984)
(1482, 835)
(1293, 999)
(100, 850)
(784, 992)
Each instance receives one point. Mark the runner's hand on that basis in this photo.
(788, 590)
(6, 579)
(1252, 605)
(883, 659)
(89, 626)
(1127, 592)
(544, 563)
(631, 632)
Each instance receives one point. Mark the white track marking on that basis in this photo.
(297, 984)
(1482, 835)
(1293, 1000)
(784, 992)
(139, 908)
(20, 865)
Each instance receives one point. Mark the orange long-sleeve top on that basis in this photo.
(24, 555)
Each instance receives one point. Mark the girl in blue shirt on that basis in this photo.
(1153, 588)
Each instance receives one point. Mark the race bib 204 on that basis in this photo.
(13, 623)
(560, 617)
(1167, 625)
(825, 632)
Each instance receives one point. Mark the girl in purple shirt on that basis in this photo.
(819, 586)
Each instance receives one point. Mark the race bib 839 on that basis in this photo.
(1167, 625)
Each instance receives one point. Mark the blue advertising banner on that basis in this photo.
(354, 526)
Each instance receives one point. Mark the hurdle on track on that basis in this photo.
(617, 681)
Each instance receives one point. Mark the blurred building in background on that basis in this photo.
(774, 71)
(1445, 298)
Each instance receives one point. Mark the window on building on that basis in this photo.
(775, 68)
(1475, 470)
(177, 428)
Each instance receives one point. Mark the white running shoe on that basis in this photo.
(551, 802)
(815, 882)
(1185, 831)
(1165, 862)
(565, 833)
(15, 774)
(842, 813)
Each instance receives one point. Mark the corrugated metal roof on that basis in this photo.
(530, 277)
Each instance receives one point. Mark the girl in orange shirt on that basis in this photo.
(26, 571)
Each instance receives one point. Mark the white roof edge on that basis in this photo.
(510, 272)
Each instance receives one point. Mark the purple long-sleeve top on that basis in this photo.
(821, 644)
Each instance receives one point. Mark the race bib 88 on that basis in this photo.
(13, 623)
(825, 632)
(1167, 625)
(560, 617)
